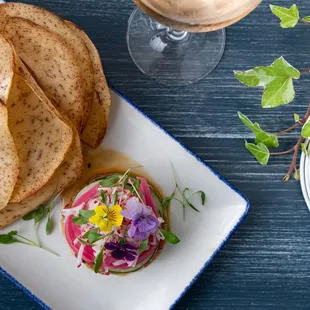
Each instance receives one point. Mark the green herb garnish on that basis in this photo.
(185, 199)
(170, 237)
(109, 181)
(15, 237)
(83, 217)
(99, 260)
(103, 197)
(143, 246)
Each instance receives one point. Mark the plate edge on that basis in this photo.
(44, 306)
(134, 105)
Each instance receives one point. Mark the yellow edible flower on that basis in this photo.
(106, 218)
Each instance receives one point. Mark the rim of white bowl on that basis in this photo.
(304, 176)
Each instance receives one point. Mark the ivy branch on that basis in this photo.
(277, 82)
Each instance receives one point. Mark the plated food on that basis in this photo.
(116, 224)
(53, 94)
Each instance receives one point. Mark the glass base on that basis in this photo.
(169, 56)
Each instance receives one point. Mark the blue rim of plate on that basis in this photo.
(129, 101)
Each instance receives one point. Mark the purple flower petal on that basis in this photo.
(132, 230)
(141, 235)
(130, 246)
(118, 254)
(130, 257)
(148, 224)
(111, 246)
(135, 210)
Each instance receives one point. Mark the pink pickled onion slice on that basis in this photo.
(87, 195)
(148, 200)
(72, 232)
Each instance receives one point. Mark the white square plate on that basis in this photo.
(56, 282)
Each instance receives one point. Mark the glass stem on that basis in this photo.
(177, 36)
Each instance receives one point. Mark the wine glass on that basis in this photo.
(178, 42)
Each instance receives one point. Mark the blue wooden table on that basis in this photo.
(266, 265)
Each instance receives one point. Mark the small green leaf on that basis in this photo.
(270, 140)
(203, 197)
(103, 197)
(30, 216)
(78, 220)
(93, 237)
(305, 131)
(49, 226)
(84, 242)
(259, 151)
(306, 18)
(170, 237)
(109, 181)
(13, 233)
(303, 148)
(83, 217)
(115, 197)
(136, 185)
(7, 239)
(143, 246)
(276, 80)
(40, 213)
(87, 213)
(289, 17)
(296, 117)
(126, 180)
(192, 206)
(90, 231)
(98, 261)
(166, 201)
(297, 174)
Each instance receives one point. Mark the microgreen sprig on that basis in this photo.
(14, 237)
(39, 214)
(185, 200)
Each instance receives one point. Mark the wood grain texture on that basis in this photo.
(266, 265)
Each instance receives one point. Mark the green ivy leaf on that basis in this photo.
(289, 17)
(276, 80)
(296, 117)
(143, 246)
(305, 131)
(306, 18)
(270, 140)
(259, 151)
(170, 237)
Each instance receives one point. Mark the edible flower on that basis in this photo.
(143, 222)
(122, 251)
(106, 218)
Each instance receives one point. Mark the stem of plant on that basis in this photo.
(293, 167)
(301, 122)
(304, 21)
(32, 243)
